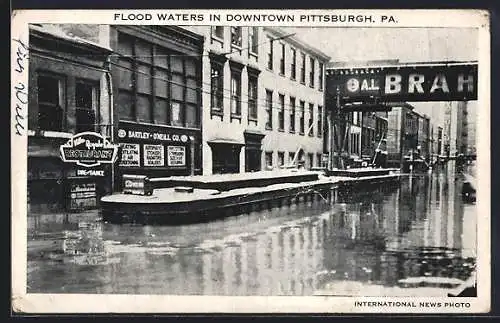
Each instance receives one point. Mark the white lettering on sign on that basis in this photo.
(369, 86)
(352, 85)
(160, 136)
(469, 81)
(154, 155)
(176, 156)
(392, 83)
(130, 155)
(415, 83)
(134, 184)
(89, 172)
(440, 83)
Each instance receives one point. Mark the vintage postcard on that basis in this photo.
(250, 161)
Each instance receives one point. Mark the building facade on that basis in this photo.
(69, 82)
(157, 104)
(263, 100)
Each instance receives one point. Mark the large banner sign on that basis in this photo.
(89, 149)
(404, 83)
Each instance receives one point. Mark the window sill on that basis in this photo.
(293, 78)
(311, 86)
(281, 130)
(269, 69)
(236, 117)
(303, 83)
(252, 54)
(269, 128)
(281, 74)
(301, 133)
(292, 131)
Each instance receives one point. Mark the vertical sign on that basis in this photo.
(176, 156)
(154, 155)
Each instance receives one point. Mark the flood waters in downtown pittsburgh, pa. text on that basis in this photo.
(419, 228)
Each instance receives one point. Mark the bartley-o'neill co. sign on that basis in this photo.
(89, 149)
(443, 82)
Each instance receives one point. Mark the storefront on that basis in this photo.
(225, 155)
(157, 151)
(253, 150)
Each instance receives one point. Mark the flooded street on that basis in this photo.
(420, 229)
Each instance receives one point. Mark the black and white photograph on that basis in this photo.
(320, 155)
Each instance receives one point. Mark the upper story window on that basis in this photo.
(50, 102)
(302, 107)
(320, 121)
(87, 103)
(269, 109)
(235, 93)
(218, 32)
(293, 64)
(269, 53)
(282, 59)
(217, 88)
(292, 114)
(303, 68)
(236, 38)
(281, 112)
(320, 76)
(252, 97)
(311, 118)
(311, 71)
(253, 40)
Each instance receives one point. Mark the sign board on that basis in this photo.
(176, 156)
(89, 149)
(131, 155)
(90, 172)
(151, 134)
(83, 196)
(154, 155)
(445, 82)
(137, 185)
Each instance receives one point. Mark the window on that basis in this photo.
(303, 68)
(217, 87)
(50, 100)
(293, 65)
(320, 121)
(269, 159)
(301, 117)
(292, 114)
(269, 109)
(318, 160)
(157, 85)
(252, 97)
(311, 71)
(310, 158)
(320, 79)
(86, 101)
(253, 40)
(281, 113)
(311, 117)
(236, 36)
(281, 158)
(218, 31)
(282, 60)
(269, 53)
(235, 93)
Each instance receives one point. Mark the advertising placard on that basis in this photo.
(83, 196)
(176, 156)
(131, 155)
(154, 155)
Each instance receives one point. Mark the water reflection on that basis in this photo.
(371, 238)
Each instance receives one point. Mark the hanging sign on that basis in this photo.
(445, 82)
(88, 149)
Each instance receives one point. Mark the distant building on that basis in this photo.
(403, 136)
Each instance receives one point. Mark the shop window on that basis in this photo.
(235, 93)
(293, 64)
(281, 158)
(281, 113)
(87, 103)
(311, 120)
(217, 88)
(50, 102)
(253, 40)
(236, 36)
(252, 97)
(269, 109)
(292, 114)
(269, 159)
(301, 117)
